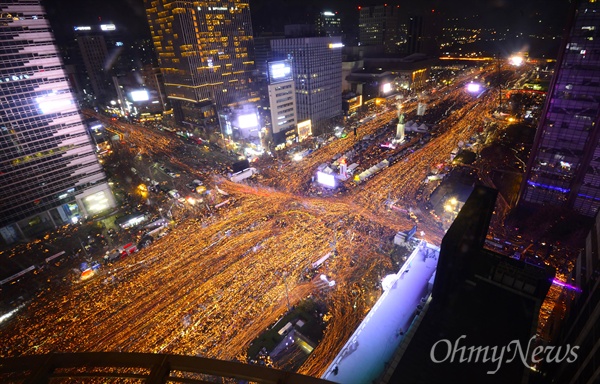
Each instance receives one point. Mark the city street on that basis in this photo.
(221, 272)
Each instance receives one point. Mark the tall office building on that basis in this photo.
(564, 166)
(380, 25)
(205, 52)
(328, 23)
(581, 325)
(282, 102)
(317, 74)
(49, 172)
(98, 51)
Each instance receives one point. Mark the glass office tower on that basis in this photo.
(317, 73)
(564, 166)
(49, 172)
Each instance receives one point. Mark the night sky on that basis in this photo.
(270, 15)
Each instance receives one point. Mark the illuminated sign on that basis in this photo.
(387, 87)
(518, 60)
(280, 71)
(327, 179)
(247, 121)
(304, 129)
(107, 27)
(473, 88)
(97, 202)
(83, 28)
(141, 95)
(336, 45)
(327, 13)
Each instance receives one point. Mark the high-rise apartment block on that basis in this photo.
(205, 52)
(564, 167)
(49, 172)
(317, 74)
(380, 25)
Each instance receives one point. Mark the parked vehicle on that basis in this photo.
(239, 176)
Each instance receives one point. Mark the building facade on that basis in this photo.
(205, 52)
(380, 25)
(98, 51)
(582, 321)
(564, 166)
(317, 74)
(49, 172)
(328, 23)
(282, 102)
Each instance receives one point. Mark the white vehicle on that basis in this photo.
(351, 168)
(246, 173)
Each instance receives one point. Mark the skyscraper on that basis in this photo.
(205, 52)
(379, 25)
(581, 325)
(317, 74)
(564, 166)
(282, 102)
(49, 172)
(98, 48)
(328, 23)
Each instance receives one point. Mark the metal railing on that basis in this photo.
(103, 367)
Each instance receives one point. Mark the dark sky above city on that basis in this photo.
(129, 15)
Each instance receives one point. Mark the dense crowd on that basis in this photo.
(216, 281)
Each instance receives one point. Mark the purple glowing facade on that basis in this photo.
(564, 167)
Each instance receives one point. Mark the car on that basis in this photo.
(174, 194)
(197, 182)
(191, 186)
(164, 188)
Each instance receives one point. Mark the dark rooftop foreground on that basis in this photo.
(480, 299)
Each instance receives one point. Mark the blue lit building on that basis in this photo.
(49, 172)
(564, 166)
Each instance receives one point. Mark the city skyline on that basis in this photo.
(264, 216)
(268, 16)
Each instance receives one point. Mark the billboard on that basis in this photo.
(247, 121)
(327, 179)
(280, 71)
(140, 95)
(473, 87)
(304, 129)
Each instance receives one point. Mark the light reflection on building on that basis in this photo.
(49, 172)
(205, 54)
